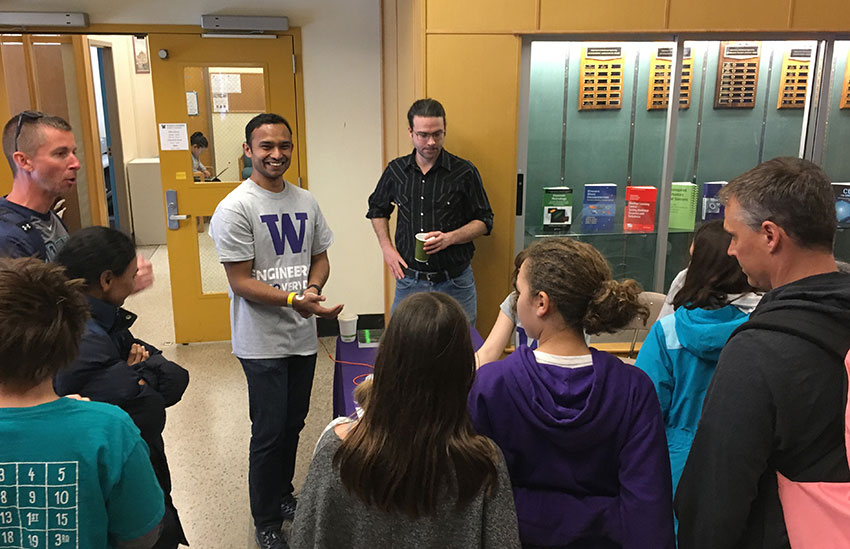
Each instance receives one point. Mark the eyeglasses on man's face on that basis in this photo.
(425, 136)
(31, 115)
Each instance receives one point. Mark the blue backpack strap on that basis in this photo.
(30, 232)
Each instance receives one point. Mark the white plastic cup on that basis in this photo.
(347, 327)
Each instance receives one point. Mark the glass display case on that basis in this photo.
(835, 153)
(717, 141)
(596, 135)
(589, 129)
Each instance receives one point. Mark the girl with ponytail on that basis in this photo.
(581, 431)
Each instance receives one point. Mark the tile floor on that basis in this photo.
(206, 437)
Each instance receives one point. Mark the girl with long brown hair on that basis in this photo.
(411, 472)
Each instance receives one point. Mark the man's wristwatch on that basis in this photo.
(318, 288)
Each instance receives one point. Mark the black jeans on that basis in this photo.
(148, 413)
(279, 398)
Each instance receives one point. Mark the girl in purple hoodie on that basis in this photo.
(581, 431)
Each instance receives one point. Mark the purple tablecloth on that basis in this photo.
(347, 376)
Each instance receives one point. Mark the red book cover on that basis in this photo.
(639, 215)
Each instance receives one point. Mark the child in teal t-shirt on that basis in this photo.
(72, 473)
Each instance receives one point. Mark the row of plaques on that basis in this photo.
(601, 74)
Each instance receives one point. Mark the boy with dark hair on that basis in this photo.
(57, 487)
(112, 365)
(198, 144)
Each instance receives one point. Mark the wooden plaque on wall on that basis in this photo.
(794, 78)
(601, 78)
(845, 89)
(737, 75)
(660, 72)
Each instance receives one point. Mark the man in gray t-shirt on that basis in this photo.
(272, 239)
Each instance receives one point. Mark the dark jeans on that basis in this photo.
(148, 413)
(278, 399)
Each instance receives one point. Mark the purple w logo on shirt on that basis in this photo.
(295, 239)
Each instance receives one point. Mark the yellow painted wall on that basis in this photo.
(601, 15)
(730, 15)
(481, 15)
(820, 14)
(476, 78)
(401, 83)
(625, 16)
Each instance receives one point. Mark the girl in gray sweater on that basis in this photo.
(411, 472)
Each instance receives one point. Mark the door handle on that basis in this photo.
(520, 181)
(172, 216)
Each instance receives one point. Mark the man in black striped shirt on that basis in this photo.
(439, 194)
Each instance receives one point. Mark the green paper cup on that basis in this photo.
(421, 256)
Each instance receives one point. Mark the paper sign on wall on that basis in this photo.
(225, 83)
(173, 137)
(220, 102)
(192, 103)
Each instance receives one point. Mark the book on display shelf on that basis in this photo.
(557, 207)
(598, 208)
(639, 215)
(711, 206)
(683, 206)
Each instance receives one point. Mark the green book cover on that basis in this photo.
(683, 206)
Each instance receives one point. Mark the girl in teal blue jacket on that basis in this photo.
(681, 350)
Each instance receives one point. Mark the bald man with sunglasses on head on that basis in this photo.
(42, 153)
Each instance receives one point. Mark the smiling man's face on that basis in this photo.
(270, 151)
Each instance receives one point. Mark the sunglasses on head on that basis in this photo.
(30, 115)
